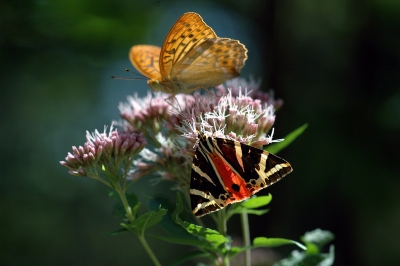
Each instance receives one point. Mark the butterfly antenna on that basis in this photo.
(140, 76)
(135, 73)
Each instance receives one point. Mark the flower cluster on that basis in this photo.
(253, 88)
(104, 150)
(171, 125)
(240, 117)
(227, 113)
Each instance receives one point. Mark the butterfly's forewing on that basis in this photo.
(189, 31)
(226, 171)
(210, 63)
(145, 58)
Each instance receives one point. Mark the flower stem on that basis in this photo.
(246, 237)
(149, 251)
(131, 218)
(222, 228)
(128, 209)
(221, 223)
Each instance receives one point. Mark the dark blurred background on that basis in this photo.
(336, 65)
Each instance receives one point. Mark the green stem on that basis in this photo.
(128, 209)
(246, 236)
(222, 228)
(94, 174)
(131, 218)
(149, 251)
(221, 223)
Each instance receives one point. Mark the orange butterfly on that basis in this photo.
(192, 57)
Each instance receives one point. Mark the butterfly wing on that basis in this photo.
(226, 171)
(206, 190)
(210, 63)
(258, 168)
(145, 58)
(189, 31)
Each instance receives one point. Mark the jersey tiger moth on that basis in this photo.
(226, 171)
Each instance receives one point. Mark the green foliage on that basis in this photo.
(141, 223)
(317, 238)
(260, 242)
(249, 206)
(119, 210)
(314, 241)
(145, 221)
(211, 242)
(274, 242)
(278, 146)
(210, 238)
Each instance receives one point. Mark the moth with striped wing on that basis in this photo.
(226, 171)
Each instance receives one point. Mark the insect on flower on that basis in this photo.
(192, 57)
(225, 171)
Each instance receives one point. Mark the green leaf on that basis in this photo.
(249, 205)
(119, 210)
(278, 146)
(248, 211)
(189, 241)
(256, 202)
(312, 248)
(119, 231)
(314, 240)
(135, 209)
(236, 250)
(318, 237)
(295, 259)
(298, 258)
(196, 254)
(264, 242)
(212, 237)
(329, 258)
(114, 195)
(145, 221)
(168, 224)
(175, 232)
(275, 242)
(178, 208)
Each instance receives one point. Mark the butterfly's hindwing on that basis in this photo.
(200, 67)
(226, 171)
(205, 188)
